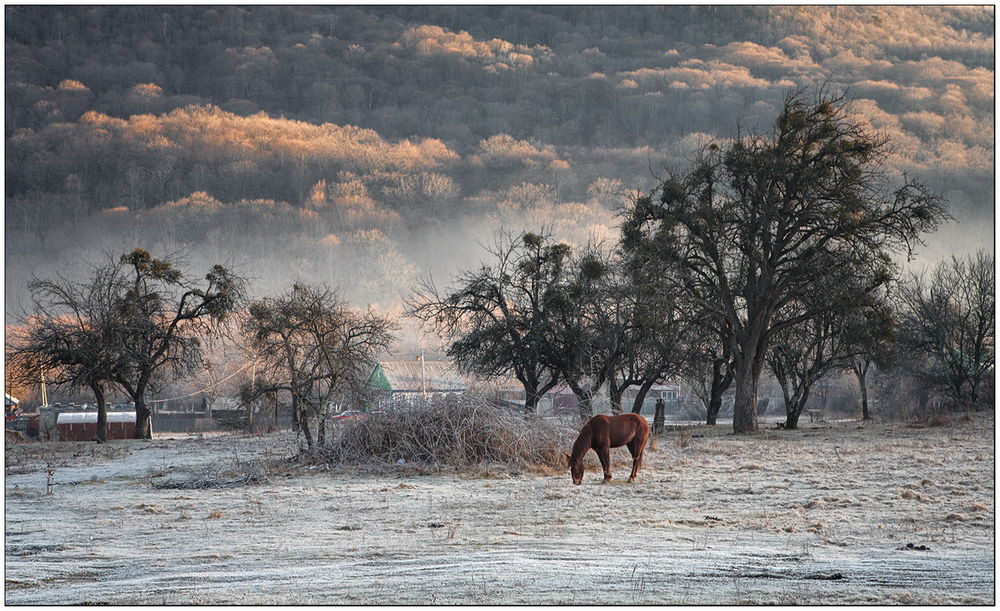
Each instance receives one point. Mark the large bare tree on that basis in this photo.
(309, 343)
(848, 321)
(757, 222)
(162, 319)
(498, 318)
(71, 336)
(707, 366)
(614, 323)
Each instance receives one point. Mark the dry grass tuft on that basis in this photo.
(454, 431)
(683, 439)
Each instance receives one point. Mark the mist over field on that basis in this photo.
(370, 147)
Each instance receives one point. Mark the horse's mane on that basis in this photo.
(583, 441)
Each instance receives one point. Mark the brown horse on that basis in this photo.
(605, 432)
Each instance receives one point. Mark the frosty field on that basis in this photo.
(838, 513)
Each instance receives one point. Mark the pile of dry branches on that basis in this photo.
(454, 431)
(248, 474)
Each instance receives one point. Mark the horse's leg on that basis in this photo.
(636, 447)
(604, 453)
(636, 457)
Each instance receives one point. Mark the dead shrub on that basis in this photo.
(683, 439)
(454, 431)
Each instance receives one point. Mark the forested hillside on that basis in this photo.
(369, 146)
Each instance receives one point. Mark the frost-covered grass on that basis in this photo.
(841, 513)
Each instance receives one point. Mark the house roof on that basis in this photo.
(221, 403)
(417, 376)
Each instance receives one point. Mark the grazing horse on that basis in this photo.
(605, 432)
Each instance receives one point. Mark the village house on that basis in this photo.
(395, 380)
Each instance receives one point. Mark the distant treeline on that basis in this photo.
(392, 118)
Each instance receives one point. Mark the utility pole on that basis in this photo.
(423, 374)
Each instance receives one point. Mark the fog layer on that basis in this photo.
(367, 147)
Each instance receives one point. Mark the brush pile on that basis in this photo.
(252, 473)
(454, 431)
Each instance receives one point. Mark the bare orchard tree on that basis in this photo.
(309, 343)
(707, 365)
(754, 225)
(948, 325)
(613, 324)
(161, 320)
(498, 318)
(71, 336)
(657, 329)
(844, 307)
(871, 333)
(587, 327)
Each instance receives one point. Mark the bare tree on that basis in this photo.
(755, 225)
(310, 344)
(871, 333)
(161, 320)
(71, 336)
(846, 309)
(614, 323)
(948, 324)
(655, 328)
(587, 327)
(497, 318)
(708, 365)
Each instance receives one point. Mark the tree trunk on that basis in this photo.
(295, 412)
(714, 406)
(745, 402)
(640, 397)
(143, 428)
(720, 382)
(615, 396)
(860, 375)
(793, 409)
(102, 413)
(304, 427)
(531, 400)
(321, 430)
(658, 418)
(795, 406)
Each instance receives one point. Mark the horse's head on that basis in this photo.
(575, 469)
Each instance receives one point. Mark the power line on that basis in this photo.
(198, 392)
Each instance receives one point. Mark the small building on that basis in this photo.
(82, 426)
(670, 393)
(10, 404)
(394, 380)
